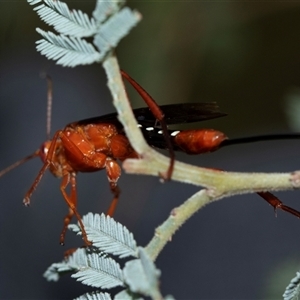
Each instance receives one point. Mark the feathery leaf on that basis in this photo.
(104, 9)
(68, 51)
(71, 264)
(115, 28)
(94, 296)
(293, 289)
(92, 269)
(125, 295)
(100, 272)
(52, 273)
(108, 235)
(73, 23)
(34, 2)
(142, 276)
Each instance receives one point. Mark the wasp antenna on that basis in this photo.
(49, 102)
(19, 162)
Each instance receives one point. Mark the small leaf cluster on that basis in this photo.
(292, 291)
(108, 25)
(96, 265)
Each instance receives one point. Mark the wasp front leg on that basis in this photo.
(78, 155)
(120, 149)
(113, 172)
(47, 154)
(72, 203)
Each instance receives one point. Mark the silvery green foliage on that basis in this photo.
(125, 295)
(108, 235)
(100, 272)
(111, 32)
(142, 276)
(94, 296)
(105, 9)
(92, 269)
(94, 266)
(109, 24)
(292, 290)
(67, 51)
(57, 14)
(71, 264)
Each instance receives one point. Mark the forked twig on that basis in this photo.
(218, 184)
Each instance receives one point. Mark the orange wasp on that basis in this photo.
(95, 144)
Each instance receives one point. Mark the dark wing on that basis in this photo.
(174, 114)
(180, 113)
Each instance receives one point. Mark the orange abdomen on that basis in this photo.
(199, 141)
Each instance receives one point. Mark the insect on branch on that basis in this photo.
(152, 162)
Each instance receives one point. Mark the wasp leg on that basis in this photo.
(113, 172)
(276, 203)
(159, 115)
(72, 202)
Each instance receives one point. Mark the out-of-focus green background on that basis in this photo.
(245, 56)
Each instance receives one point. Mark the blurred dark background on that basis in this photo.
(245, 56)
